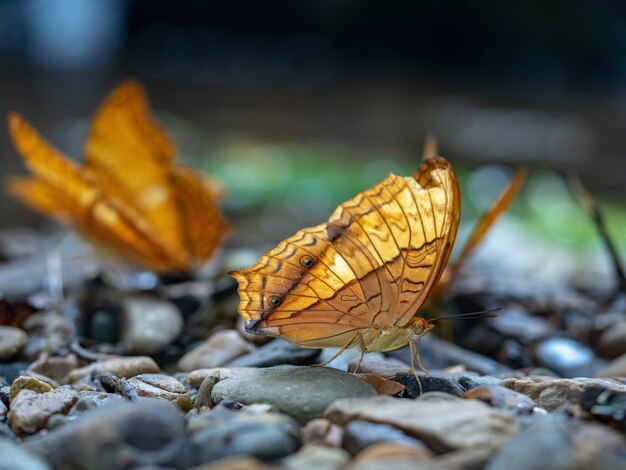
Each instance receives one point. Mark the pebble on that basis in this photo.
(121, 366)
(203, 397)
(381, 385)
(393, 455)
(606, 406)
(320, 431)
(503, 398)
(361, 434)
(27, 383)
(90, 400)
(437, 353)
(472, 381)
(612, 341)
(119, 435)
(315, 457)
(11, 370)
(12, 340)
(149, 324)
(515, 322)
(566, 357)
(47, 331)
(238, 462)
(442, 425)
(376, 363)
(429, 383)
(217, 350)
(301, 392)
(55, 367)
(615, 368)
(196, 377)
(228, 432)
(29, 411)
(275, 353)
(16, 457)
(161, 386)
(551, 393)
(474, 458)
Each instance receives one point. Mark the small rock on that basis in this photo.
(196, 377)
(566, 357)
(376, 363)
(119, 435)
(121, 366)
(320, 431)
(301, 392)
(30, 411)
(237, 462)
(615, 368)
(224, 433)
(393, 455)
(47, 331)
(317, 457)
(551, 393)
(203, 397)
(11, 370)
(161, 386)
(276, 353)
(503, 398)
(16, 457)
(442, 425)
(429, 383)
(474, 458)
(381, 385)
(12, 340)
(514, 322)
(612, 341)
(361, 434)
(150, 324)
(219, 349)
(472, 381)
(605, 405)
(55, 367)
(27, 383)
(90, 400)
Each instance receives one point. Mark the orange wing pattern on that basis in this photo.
(128, 199)
(365, 272)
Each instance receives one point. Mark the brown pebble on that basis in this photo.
(321, 431)
(161, 386)
(55, 367)
(27, 383)
(390, 455)
(121, 366)
(30, 411)
(220, 348)
(196, 377)
(381, 385)
(203, 397)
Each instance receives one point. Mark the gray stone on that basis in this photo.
(30, 411)
(88, 400)
(216, 351)
(223, 433)
(515, 322)
(121, 435)
(428, 383)
(361, 434)
(320, 431)
(55, 367)
(276, 353)
(615, 368)
(503, 398)
(472, 381)
(396, 456)
(12, 340)
(196, 377)
(47, 331)
(567, 357)
(163, 387)
(551, 393)
(121, 366)
(317, 458)
(442, 425)
(150, 324)
(16, 457)
(301, 392)
(376, 363)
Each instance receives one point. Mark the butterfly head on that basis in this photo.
(421, 326)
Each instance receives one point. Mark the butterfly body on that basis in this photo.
(359, 279)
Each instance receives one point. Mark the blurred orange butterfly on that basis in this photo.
(128, 198)
(359, 279)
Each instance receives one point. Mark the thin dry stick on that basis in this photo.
(587, 202)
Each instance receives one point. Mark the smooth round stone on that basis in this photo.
(150, 324)
(16, 457)
(121, 366)
(28, 383)
(267, 436)
(119, 435)
(472, 381)
(503, 398)
(12, 340)
(196, 377)
(378, 364)
(615, 368)
(203, 397)
(517, 323)
(317, 457)
(216, 351)
(161, 386)
(320, 431)
(429, 383)
(552, 393)
(566, 357)
(30, 411)
(237, 462)
(55, 367)
(361, 434)
(612, 342)
(301, 392)
(442, 425)
(394, 455)
(275, 353)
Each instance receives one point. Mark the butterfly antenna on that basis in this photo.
(492, 313)
(430, 147)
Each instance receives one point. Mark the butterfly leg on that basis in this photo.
(358, 364)
(338, 353)
(414, 353)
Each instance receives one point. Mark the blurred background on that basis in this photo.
(297, 105)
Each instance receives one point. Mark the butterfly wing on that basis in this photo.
(373, 263)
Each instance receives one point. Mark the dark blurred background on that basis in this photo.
(314, 99)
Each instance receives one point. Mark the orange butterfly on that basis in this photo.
(128, 198)
(359, 279)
